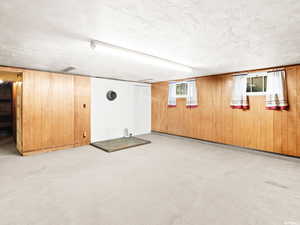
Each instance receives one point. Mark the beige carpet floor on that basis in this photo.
(172, 181)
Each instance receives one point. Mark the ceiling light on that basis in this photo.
(150, 80)
(139, 56)
(68, 69)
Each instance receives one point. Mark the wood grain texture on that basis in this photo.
(10, 76)
(14, 109)
(53, 110)
(298, 111)
(18, 116)
(160, 103)
(82, 100)
(214, 120)
(48, 110)
(44, 150)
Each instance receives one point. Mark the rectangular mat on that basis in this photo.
(120, 143)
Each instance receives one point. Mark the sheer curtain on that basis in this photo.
(172, 94)
(276, 97)
(239, 99)
(191, 99)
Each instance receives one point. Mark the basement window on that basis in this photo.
(256, 84)
(181, 90)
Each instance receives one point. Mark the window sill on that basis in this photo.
(256, 93)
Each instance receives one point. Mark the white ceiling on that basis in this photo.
(211, 35)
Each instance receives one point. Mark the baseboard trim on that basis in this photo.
(38, 151)
(223, 144)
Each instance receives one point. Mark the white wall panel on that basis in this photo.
(131, 109)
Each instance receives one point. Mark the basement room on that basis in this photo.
(150, 112)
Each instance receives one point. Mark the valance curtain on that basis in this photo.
(239, 99)
(172, 94)
(276, 97)
(191, 99)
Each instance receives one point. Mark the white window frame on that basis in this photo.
(180, 96)
(261, 74)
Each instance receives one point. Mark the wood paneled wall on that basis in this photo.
(82, 110)
(214, 120)
(18, 115)
(48, 111)
(55, 110)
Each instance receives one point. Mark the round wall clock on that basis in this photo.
(111, 95)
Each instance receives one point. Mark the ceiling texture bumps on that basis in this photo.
(211, 36)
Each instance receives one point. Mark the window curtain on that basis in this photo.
(172, 94)
(276, 97)
(239, 99)
(191, 98)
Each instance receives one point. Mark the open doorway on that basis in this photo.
(10, 111)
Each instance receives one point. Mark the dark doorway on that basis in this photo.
(10, 112)
(6, 110)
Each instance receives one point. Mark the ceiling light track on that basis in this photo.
(146, 58)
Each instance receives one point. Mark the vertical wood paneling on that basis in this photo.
(82, 96)
(63, 109)
(218, 108)
(291, 147)
(19, 126)
(214, 120)
(175, 118)
(35, 111)
(227, 112)
(284, 132)
(266, 128)
(14, 110)
(160, 107)
(298, 111)
(251, 127)
(206, 115)
(155, 106)
(48, 110)
(277, 131)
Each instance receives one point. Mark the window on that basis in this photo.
(181, 90)
(256, 85)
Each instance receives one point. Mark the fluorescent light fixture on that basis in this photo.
(150, 80)
(68, 69)
(139, 56)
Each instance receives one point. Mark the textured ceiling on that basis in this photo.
(211, 35)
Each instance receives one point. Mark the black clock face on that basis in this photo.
(111, 95)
